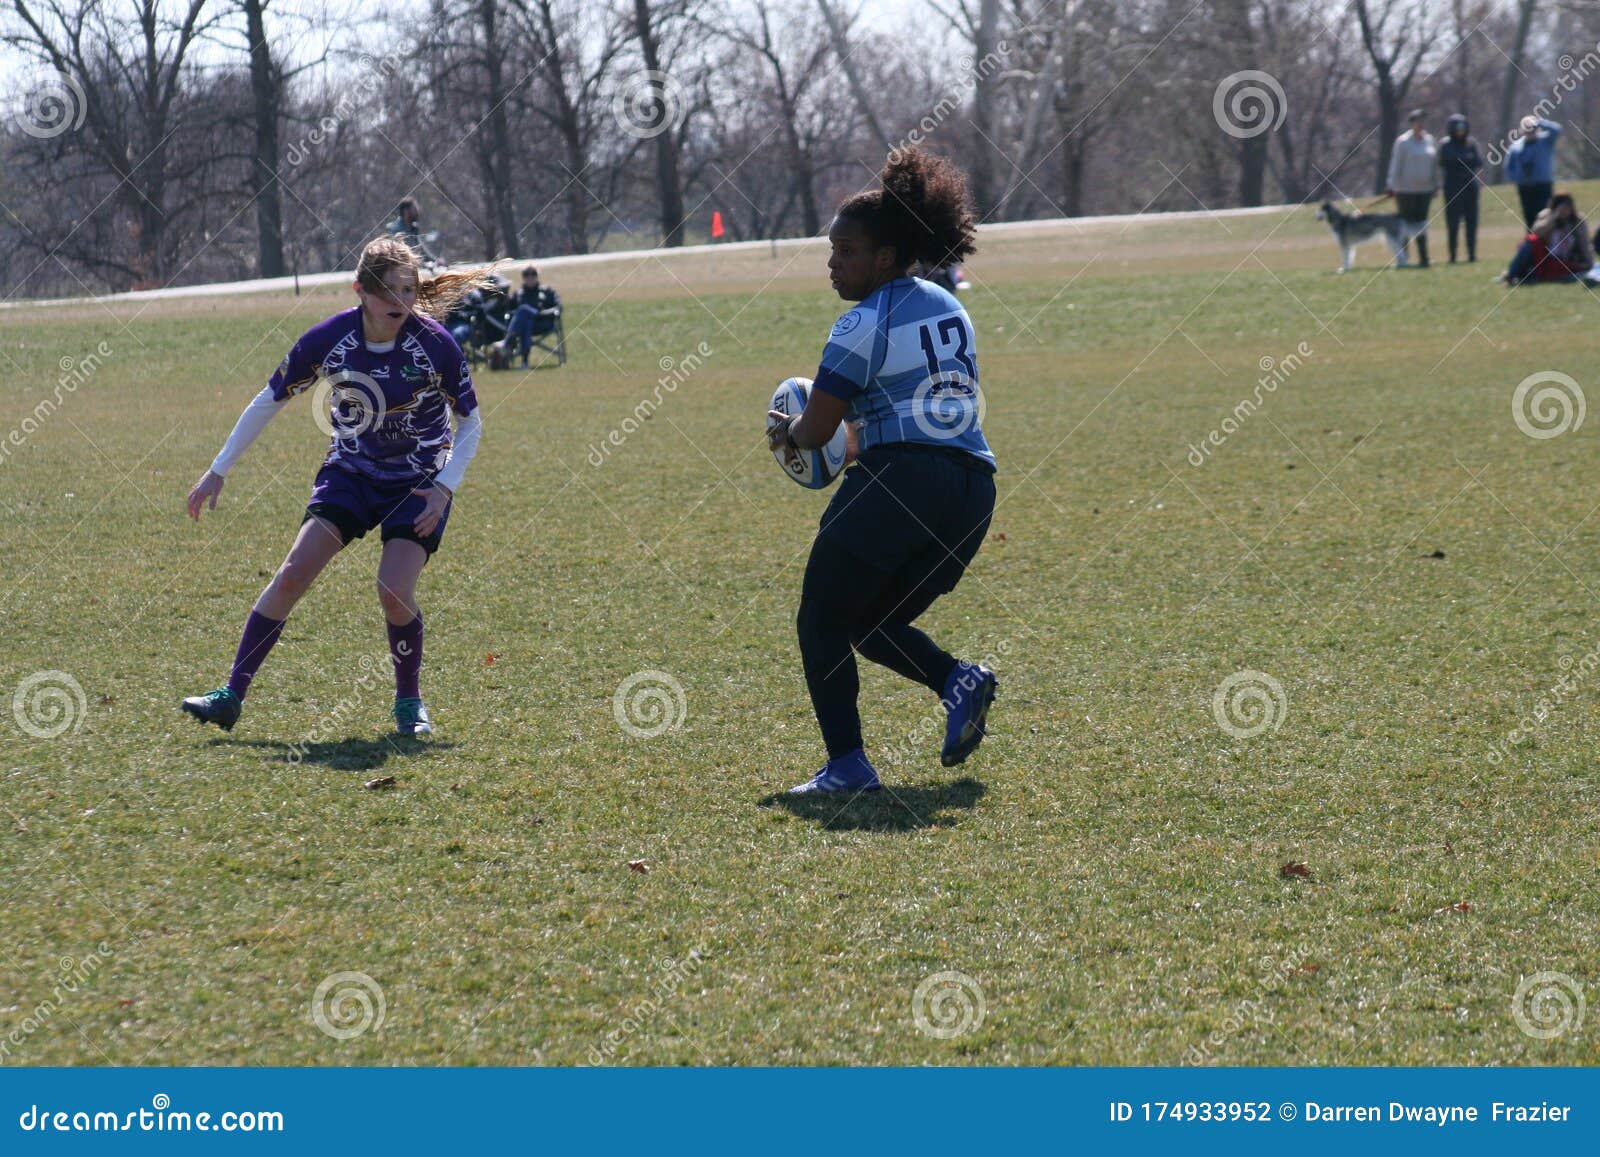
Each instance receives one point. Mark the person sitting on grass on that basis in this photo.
(534, 312)
(1559, 247)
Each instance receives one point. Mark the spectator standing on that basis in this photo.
(1413, 175)
(1461, 163)
(1531, 164)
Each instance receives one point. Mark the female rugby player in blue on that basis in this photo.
(393, 462)
(910, 515)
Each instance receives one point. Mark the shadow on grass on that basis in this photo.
(354, 754)
(897, 808)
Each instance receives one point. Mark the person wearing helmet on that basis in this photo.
(1460, 164)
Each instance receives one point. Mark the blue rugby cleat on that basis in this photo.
(411, 717)
(221, 707)
(843, 776)
(968, 692)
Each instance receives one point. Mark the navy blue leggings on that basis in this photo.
(900, 532)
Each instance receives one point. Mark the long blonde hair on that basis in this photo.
(436, 295)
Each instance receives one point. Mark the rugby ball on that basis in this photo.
(812, 469)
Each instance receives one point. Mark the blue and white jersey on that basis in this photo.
(906, 360)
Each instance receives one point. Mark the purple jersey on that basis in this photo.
(389, 411)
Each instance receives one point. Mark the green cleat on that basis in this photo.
(221, 707)
(411, 717)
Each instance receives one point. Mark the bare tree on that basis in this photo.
(1398, 35)
(129, 70)
(648, 25)
(574, 62)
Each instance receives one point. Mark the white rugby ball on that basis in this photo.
(812, 469)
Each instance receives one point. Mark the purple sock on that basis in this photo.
(405, 652)
(260, 633)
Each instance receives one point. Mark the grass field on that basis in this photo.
(1115, 874)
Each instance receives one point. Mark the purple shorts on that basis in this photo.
(355, 505)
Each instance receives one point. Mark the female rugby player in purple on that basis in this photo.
(393, 463)
(902, 366)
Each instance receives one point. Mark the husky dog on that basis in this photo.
(1350, 229)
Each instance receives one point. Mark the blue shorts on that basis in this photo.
(354, 505)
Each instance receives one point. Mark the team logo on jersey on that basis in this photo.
(847, 323)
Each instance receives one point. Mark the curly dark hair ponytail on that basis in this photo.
(923, 209)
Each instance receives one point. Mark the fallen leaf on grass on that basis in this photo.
(490, 659)
(1458, 906)
(1296, 869)
(380, 783)
(639, 866)
(1305, 969)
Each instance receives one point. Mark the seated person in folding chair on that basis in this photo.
(536, 312)
(480, 319)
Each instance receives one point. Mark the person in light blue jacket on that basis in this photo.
(1531, 164)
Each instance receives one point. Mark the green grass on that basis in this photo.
(1107, 869)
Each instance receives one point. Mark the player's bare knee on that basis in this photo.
(396, 604)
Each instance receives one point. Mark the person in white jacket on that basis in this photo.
(1413, 176)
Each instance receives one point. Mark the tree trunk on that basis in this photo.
(1508, 91)
(984, 113)
(264, 192)
(502, 208)
(1388, 129)
(668, 188)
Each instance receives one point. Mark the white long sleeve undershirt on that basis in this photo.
(264, 407)
(469, 431)
(261, 410)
